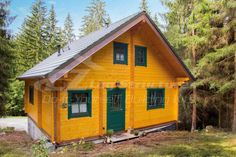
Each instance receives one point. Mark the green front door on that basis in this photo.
(116, 109)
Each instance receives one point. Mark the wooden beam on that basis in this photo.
(55, 95)
(101, 130)
(132, 64)
(39, 91)
(66, 76)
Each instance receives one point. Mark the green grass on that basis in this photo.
(13, 116)
(202, 145)
(14, 144)
(7, 129)
(169, 144)
(13, 150)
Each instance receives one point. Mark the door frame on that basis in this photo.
(124, 110)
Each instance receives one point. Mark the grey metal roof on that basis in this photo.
(54, 61)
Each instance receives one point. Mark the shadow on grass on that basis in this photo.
(206, 145)
(204, 150)
(7, 150)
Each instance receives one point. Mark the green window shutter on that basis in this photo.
(69, 104)
(79, 103)
(120, 55)
(155, 98)
(140, 56)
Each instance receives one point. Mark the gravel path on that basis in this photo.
(19, 123)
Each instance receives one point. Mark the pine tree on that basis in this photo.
(189, 34)
(53, 38)
(96, 18)
(144, 7)
(6, 53)
(206, 29)
(32, 40)
(68, 29)
(216, 69)
(155, 19)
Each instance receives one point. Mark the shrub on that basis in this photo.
(39, 149)
(110, 132)
(86, 146)
(7, 129)
(136, 132)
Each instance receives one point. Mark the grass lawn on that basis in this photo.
(170, 144)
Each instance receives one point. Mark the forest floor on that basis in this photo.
(169, 143)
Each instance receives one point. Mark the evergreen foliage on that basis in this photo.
(53, 35)
(32, 40)
(144, 7)
(6, 54)
(37, 39)
(68, 29)
(208, 28)
(96, 17)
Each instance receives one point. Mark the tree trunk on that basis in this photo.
(234, 112)
(194, 111)
(219, 118)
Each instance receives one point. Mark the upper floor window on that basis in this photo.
(120, 53)
(140, 56)
(155, 98)
(31, 94)
(79, 103)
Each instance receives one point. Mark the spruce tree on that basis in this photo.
(189, 35)
(96, 17)
(32, 40)
(51, 31)
(53, 38)
(155, 19)
(6, 54)
(203, 33)
(68, 29)
(144, 7)
(216, 69)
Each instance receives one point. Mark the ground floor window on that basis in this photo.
(31, 94)
(155, 98)
(79, 103)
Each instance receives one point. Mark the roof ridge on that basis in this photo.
(105, 27)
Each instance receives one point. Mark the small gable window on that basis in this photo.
(155, 98)
(120, 53)
(31, 94)
(140, 56)
(79, 103)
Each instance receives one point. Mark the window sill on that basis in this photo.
(153, 108)
(121, 63)
(79, 116)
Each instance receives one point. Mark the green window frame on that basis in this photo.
(155, 98)
(31, 94)
(79, 103)
(140, 56)
(120, 55)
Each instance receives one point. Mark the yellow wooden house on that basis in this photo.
(124, 76)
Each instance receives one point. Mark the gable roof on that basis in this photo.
(55, 66)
